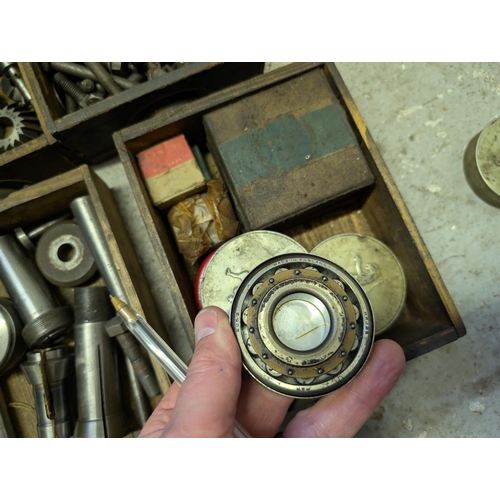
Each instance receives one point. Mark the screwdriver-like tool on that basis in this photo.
(150, 339)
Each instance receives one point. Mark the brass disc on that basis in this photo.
(376, 269)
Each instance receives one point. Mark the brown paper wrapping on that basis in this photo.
(203, 221)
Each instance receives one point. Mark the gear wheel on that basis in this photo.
(17, 126)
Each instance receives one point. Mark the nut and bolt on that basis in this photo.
(103, 77)
(82, 72)
(74, 91)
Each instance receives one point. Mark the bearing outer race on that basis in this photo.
(362, 350)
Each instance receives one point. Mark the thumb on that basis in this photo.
(206, 403)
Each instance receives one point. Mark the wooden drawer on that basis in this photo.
(429, 318)
(87, 132)
(52, 198)
(35, 160)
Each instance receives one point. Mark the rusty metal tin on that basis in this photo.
(230, 264)
(376, 269)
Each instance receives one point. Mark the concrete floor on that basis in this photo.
(421, 116)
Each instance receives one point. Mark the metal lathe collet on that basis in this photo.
(48, 370)
(100, 411)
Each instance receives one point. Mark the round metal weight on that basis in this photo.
(12, 346)
(488, 157)
(376, 269)
(219, 279)
(304, 325)
(63, 255)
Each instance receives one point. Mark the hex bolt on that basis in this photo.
(48, 370)
(100, 412)
(103, 77)
(73, 91)
(80, 71)
(87, 85)
(44, 318)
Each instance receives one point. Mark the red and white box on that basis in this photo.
(170, 172)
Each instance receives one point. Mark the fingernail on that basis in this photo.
(205, 323)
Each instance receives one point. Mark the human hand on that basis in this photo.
(215, 394)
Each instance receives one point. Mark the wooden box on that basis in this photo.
(429, 318)
(52, 198)
(35, 160)
(87, 132)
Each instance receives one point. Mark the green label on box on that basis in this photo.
(286, 143)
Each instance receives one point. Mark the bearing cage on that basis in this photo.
(310, 272)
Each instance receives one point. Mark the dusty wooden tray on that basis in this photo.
(87, 133)
(429, 318)
(52, 198)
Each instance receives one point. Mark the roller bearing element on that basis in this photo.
(304, 325)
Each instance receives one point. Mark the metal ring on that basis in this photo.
(288, 364)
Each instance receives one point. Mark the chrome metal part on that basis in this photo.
(63, 255)
(75, 69)
(232, 262)
(27, 238)
(87, 219)
(12, 345)
(103, 77)
(295, 320)
(100, 412)
(82, 99)
(10, 70)
(17, 126)
(85, 214)
(48, 370)
(6, 429)
(375, 268)
(44, 318)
